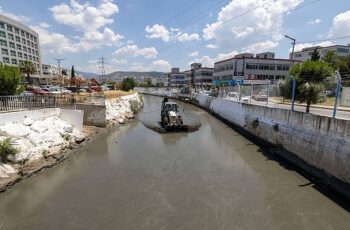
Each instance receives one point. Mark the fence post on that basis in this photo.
(251, 91)
(293, 91)
(268, 93)
(337, 93)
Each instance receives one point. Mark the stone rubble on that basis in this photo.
(118, 110)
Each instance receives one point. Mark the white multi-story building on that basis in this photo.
(19, 43)
(263, 66)
(305, 54)
(203, 76)
(50, 69)
(175, 78)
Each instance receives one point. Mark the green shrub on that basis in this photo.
(134, 106)
(6, 149)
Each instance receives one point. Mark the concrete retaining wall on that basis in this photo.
(16, 117)
(94, 115)
(73, 117)
(320, 144)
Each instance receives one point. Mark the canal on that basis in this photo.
(135, 178)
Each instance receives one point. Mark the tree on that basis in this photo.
(72, 72)
(312, 77)
(315, 56)
(10, 80)
(337, 62)
(27, 68)
(128, 84)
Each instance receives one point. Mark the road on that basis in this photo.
(135, 178)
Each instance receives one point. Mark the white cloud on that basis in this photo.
(209, 61)
(341, 25)
(212, 46)
(185, 37)
(193, 54)
(158, 31)
(300, 46)
(119, 61)
(44, 25)
(85, 17)
(314, 22)
(161, 32)
(245, 23)
(260, 47)
(158, 65)
(54, 42)
(19, 18)
(88, 20)
(135, 51)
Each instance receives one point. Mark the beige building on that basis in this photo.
(305, 54)
(246, 66)
(19, 43)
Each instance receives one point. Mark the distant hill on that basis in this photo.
(119, 74)
(87, 74)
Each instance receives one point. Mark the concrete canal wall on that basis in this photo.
(321, 143)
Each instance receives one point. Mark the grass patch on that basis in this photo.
(117, 93)
(6, 149)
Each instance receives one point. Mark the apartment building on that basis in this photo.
(246, 66)
(19, 43)
(203, 77)
(305, 54)
(175, 78)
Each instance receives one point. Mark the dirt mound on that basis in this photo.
(157, 127)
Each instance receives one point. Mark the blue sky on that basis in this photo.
(144, 35)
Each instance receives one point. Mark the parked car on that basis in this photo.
(40, 92)
(245, 99)
(27, 93)
(261, 96)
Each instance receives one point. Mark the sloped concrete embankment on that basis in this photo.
(46, 137)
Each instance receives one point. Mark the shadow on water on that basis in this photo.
(315, 183)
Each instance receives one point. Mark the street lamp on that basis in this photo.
(293, 43)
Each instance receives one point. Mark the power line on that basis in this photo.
(184, 11)
(244, 13)
(323, 40)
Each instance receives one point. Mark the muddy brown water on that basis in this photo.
(135, 178)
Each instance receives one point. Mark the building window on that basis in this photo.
(283, 67)
(9, 28)
(25, 56)
(27, 35)
(16, 31)
(19, 55)
(12, 45)
(29, 50)
(6, 60)
(23, 41)
(342, 50)
(22, 33)
(18, 39)
(2, 25)
(24, 49)
(30, 57)
(11, 37)
(14, 61)
(2, 34)
(19, 47)
(4, 51)
(13, 53)
(3, 42)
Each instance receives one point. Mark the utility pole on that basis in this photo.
(59, 60)
(102, 62)
(292, 55)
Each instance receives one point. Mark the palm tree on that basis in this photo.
(28, 68)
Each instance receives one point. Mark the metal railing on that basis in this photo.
(18, 103)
